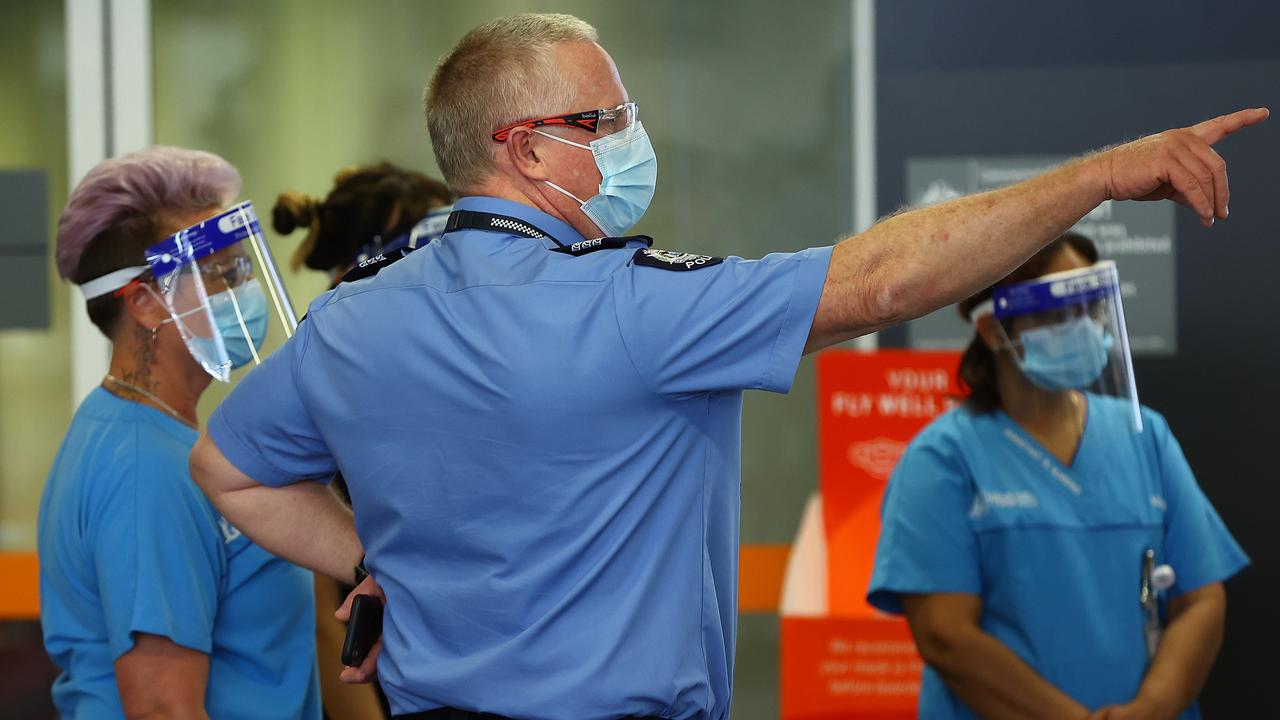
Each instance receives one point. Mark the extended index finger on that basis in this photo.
(1214, 129)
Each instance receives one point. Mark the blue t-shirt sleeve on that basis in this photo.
(738, 325)
(1197, 543)
(158, 557)
(264, 428)
(926, 544)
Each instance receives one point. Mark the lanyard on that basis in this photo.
(473, 220)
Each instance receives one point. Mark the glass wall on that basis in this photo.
(34, 363)
(747, 102)
(35, 387)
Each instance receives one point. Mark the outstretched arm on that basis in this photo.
(918, 261)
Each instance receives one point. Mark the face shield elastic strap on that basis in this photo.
(986, 307)
(111, 282)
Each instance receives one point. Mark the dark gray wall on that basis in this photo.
(992, 78)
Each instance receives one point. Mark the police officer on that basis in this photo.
(539, 418)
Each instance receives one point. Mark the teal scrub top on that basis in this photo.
(128, 544)
(977, 506)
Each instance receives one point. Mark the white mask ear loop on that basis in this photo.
(566, 142)
(576, 199)
(986, 307)
(566, 192)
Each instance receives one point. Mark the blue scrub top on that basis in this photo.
(977, 506)
(128, 544)
(543, 454)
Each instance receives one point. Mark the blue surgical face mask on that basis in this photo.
(1065, 356)
(628, 175)
(253, 308)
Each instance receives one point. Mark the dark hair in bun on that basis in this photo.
(380, 199)
(292, 211)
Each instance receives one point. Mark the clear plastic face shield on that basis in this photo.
(1066, 331)
(222, 289)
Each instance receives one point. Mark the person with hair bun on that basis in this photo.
(372, 209)
(151, 602)
(1047, 541)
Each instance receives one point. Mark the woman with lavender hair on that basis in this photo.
(152, 604)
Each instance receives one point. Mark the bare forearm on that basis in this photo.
(1188, 648)
(996, 684)
(304, 523)
(916, 262)
(948, 252)
(160, 680)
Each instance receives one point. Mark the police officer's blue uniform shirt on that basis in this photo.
(128, 544)
(543, 455)
(1054, 551)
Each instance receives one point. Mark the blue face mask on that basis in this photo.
(253, 306)
(628, 175)
(1066, 356)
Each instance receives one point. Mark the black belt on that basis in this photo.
(449, 714)
(452, 714)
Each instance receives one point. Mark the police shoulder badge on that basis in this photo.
(671, 260)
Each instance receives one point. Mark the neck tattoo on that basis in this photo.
(150, 396)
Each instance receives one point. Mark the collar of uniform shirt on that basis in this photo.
(560, 229)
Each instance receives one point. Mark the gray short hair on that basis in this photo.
(500, 73)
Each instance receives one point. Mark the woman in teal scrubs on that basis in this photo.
(1016, 527)
(151, 603)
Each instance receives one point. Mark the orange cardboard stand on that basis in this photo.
(842, 658)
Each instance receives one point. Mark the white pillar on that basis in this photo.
(863, 15)
(109, 111)
(129, 29)
(86, 146)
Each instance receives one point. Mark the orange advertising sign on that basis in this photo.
(856, 661)
(842, 667)
(870, 405)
